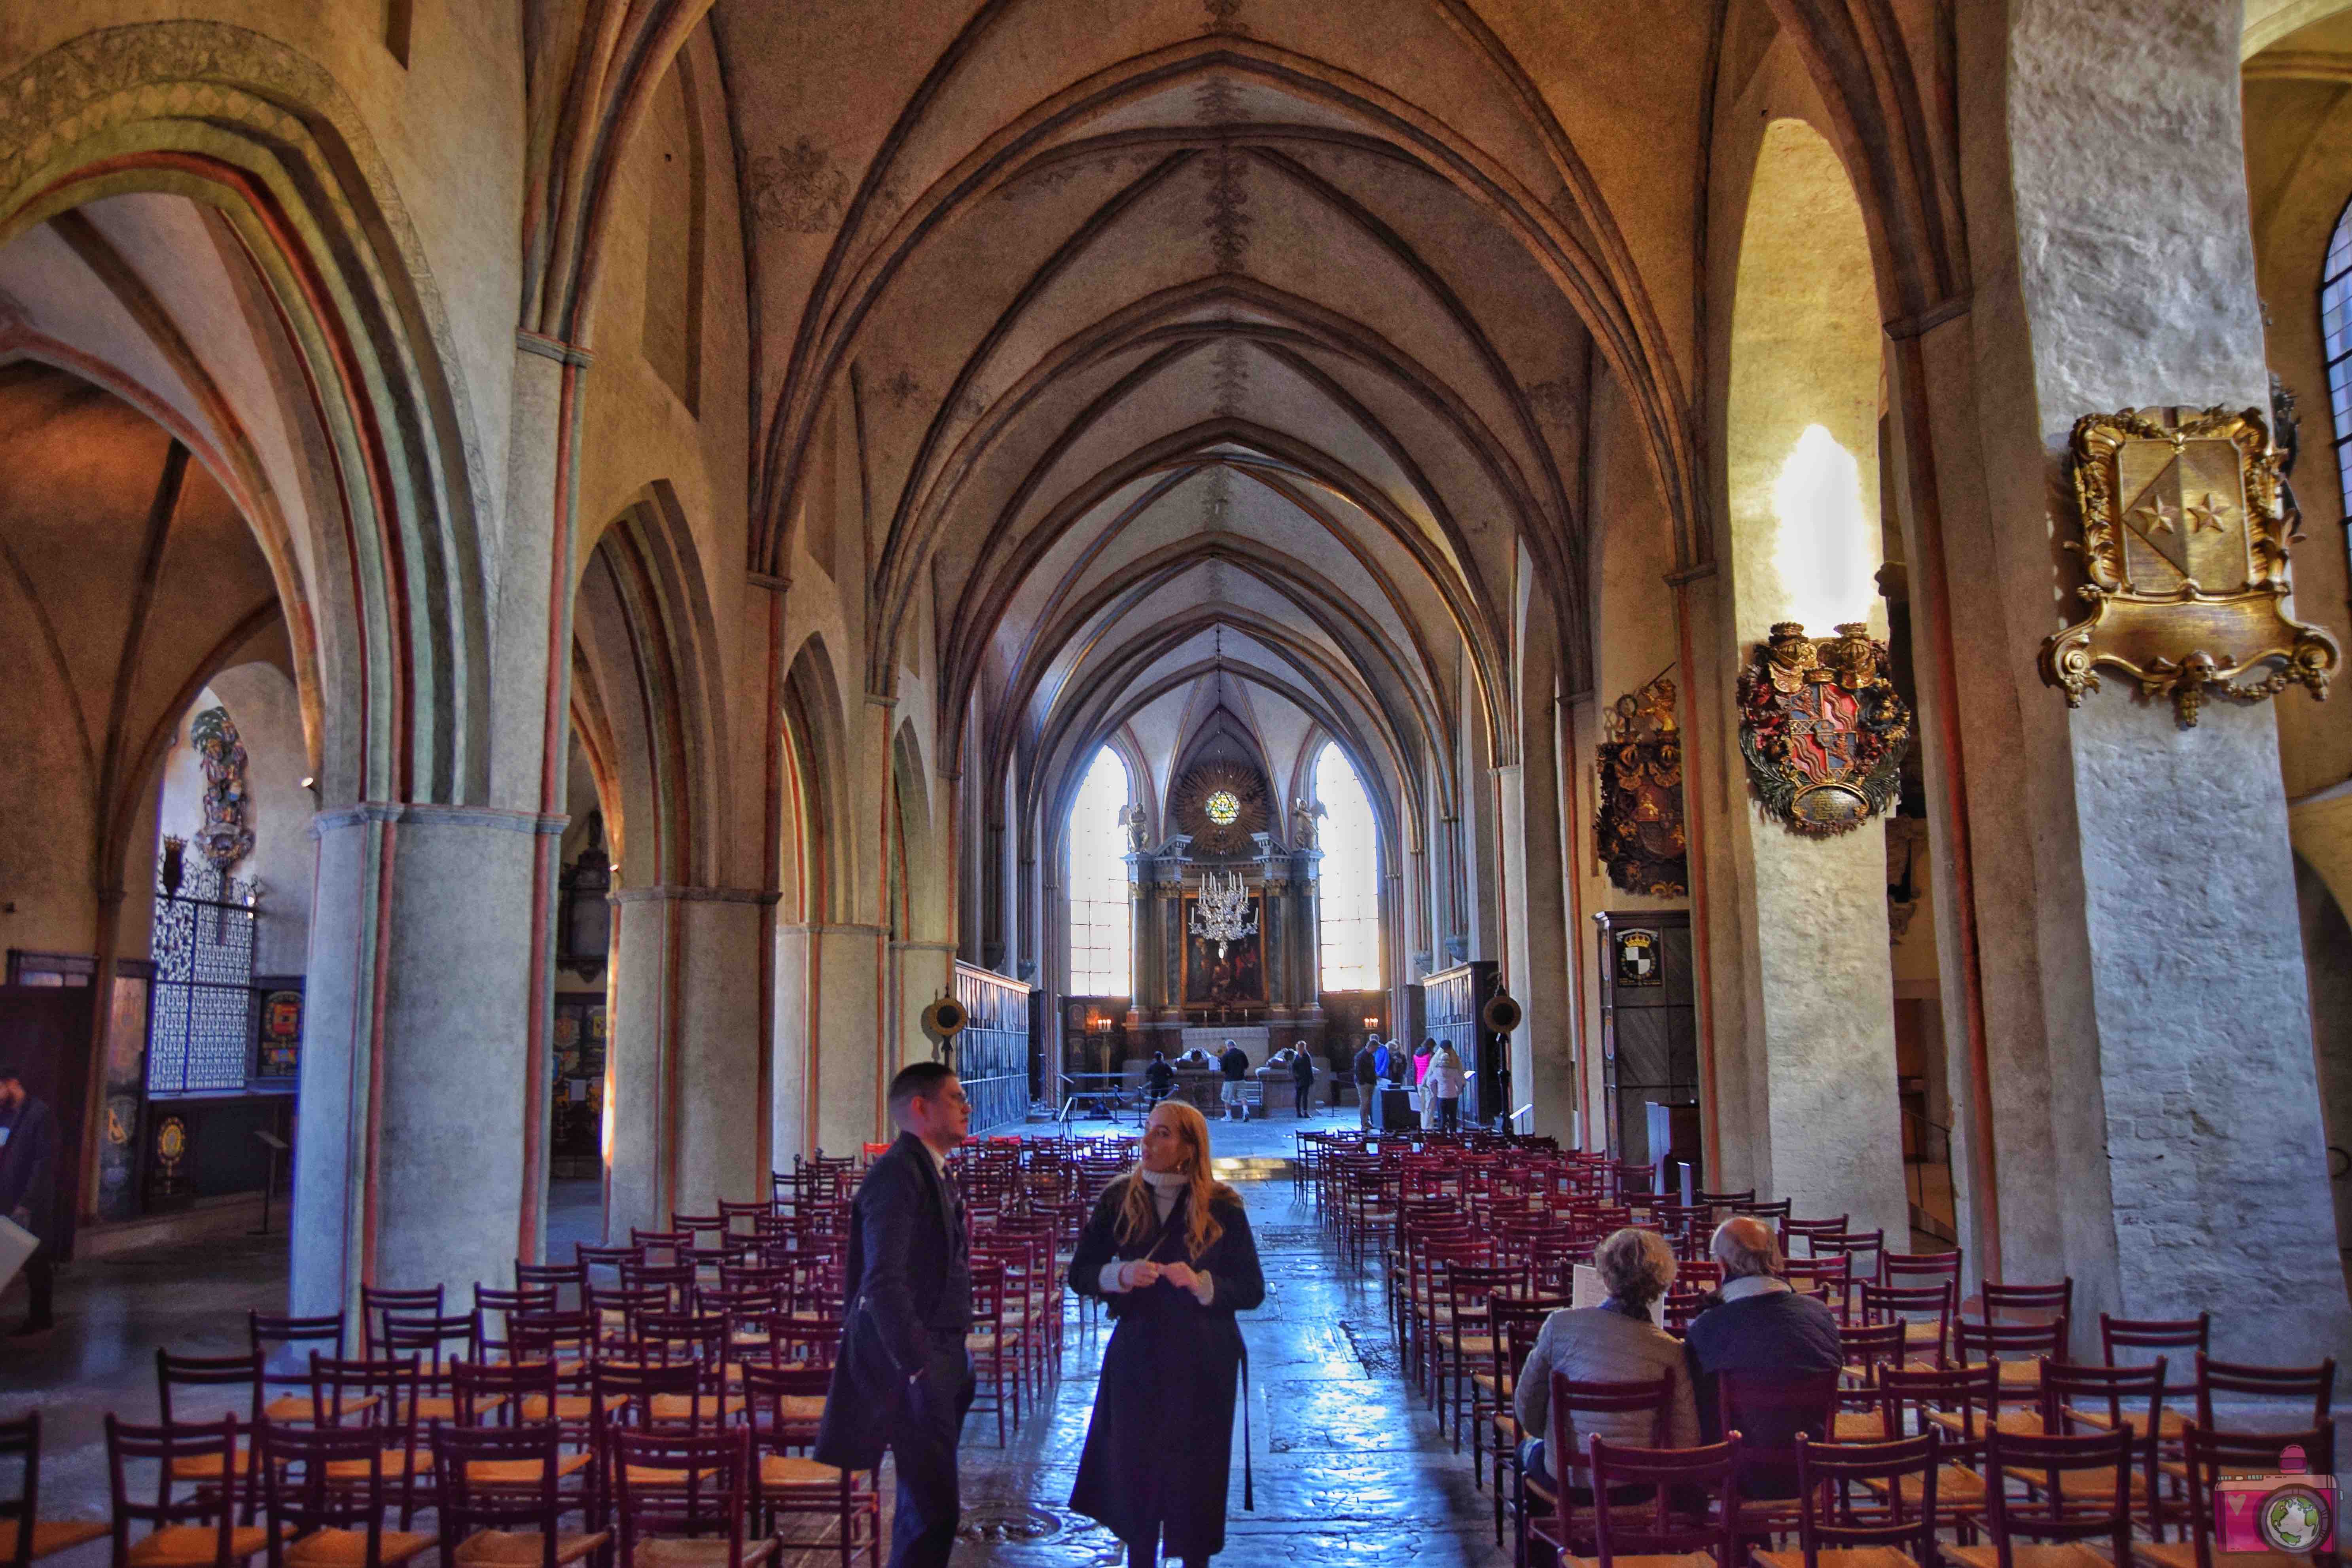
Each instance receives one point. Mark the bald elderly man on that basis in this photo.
(1757, 1323)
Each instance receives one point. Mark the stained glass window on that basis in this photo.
(1101, 945)
(1350, 871)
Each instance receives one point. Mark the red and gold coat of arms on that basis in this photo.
(1823, 727)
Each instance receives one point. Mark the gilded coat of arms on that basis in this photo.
(1823, 727)
(2185, 543)
(1637, 827)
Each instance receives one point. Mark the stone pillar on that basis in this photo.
(2145, 1056)
(829, 1079)
(410, 1169)
(684, 1051)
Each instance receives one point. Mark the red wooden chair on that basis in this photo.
(2126, 1342)
(1554, 1523)
(2068, 1518)
(506, 1522)
(284, 1344)
(324, 1494)
(1792, 1231)
(2127, 1401)
(1832, 1532)
(25, 1536)
(783, 1406)
(683, 1499)
(176, 1374)
(2212, 1457)
(198, 1530)
(1664, 1530)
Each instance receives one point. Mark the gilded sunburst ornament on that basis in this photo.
(1221, 805)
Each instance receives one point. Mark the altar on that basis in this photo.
(1251, 1038)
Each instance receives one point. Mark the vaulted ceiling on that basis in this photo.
(1215, 358)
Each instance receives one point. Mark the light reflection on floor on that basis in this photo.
(1350, 1467)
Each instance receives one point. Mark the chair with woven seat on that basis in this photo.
(1794, 1230)
(782, 1406)
(1859, 1244)
(2020, 1348)
(1771, 1412)
(556, 1278)
(1924, 1311)
(993, 1345)
(683, 1499)
(379, 1398)
(2133, 1341)
(507, 1524)
(1468, 1339)
(2007, 1302)
(495, 1311)
(376, 1303)
(24, 1535)
(1962, 1407)
(2058, 1525)
(323, 1494)
(509, 1396)
(435, 1341)
(1663, 1529)
(2212, 1457)
(198, 1530)
(1897, 1531)
(1553, 1522)
(2127, 1400)
(285, 1345)
(177, 1374)
(2308, 1392)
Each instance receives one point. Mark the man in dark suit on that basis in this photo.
(28, 1192)
(903, 1381)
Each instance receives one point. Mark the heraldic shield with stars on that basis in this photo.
(1822, 729)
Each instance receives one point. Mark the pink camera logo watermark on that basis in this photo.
(2292, 1511)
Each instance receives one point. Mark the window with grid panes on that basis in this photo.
(2335, 341)
(1350, 912)
(1101, 942)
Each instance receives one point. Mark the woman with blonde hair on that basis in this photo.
(1168, 1253)
(1613, 1342)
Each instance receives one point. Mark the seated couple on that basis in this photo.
(1755, 1324)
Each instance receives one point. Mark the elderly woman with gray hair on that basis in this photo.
(1613, 1342)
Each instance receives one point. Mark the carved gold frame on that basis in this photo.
(2183, 641)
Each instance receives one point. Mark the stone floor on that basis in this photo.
(1349, 1466)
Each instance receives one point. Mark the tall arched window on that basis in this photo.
(1100, 942)
(1350, 914)
(2335, 341)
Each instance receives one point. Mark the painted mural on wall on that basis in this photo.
(226, 835)
(1637, 829)
(1822, 727)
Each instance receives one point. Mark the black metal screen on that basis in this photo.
(200, 1032)
(992, 1055)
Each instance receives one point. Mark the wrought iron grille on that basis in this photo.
(201, 1030)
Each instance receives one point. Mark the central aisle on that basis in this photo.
(1350, 1467)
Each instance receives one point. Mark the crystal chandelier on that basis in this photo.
(1224, 913)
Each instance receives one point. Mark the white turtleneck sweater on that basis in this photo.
(1166, 1185)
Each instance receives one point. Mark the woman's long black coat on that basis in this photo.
(1160, 1449)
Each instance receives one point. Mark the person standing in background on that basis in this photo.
(1366, 1071)
(1302, 1078)
(1443, 1084)
(28, 1191)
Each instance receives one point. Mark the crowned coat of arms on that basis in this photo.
(2185, 541)
(1822, 727)
(1637, 827)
